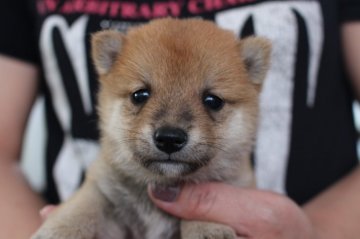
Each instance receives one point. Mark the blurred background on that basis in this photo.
(33, 146)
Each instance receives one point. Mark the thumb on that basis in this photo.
(205, 202)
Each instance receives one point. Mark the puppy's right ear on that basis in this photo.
(106, 46)
(255, 52)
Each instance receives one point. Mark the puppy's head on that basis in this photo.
(178, 98)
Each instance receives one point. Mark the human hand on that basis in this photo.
(251, 213)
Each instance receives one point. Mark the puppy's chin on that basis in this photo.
(170, 168)
(177, 166)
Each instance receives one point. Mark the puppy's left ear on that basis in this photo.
(106, 47)
(255, 52)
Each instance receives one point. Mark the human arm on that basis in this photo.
(351, 39)
(19, 205)
(336, 212)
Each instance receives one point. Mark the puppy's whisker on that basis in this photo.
(129, 130)
(131, 140)
(212, 145)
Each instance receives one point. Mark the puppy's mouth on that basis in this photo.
(171, 168)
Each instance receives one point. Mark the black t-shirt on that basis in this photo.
(306, 138)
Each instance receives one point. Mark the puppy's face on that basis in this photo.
(178, 98)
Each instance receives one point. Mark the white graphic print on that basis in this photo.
(75, 154)
(276, 20)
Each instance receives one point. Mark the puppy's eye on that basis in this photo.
(213, 102)
(140, 96)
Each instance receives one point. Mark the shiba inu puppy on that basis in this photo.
(178, 104)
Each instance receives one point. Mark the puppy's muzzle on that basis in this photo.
(170, 139)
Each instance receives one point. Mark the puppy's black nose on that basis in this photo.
(169, 139)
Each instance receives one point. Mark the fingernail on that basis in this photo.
(44, 212)
(165, 193)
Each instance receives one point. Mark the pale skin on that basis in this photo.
(260, 214)
(252, 213)
(19, 205)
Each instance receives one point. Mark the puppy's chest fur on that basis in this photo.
(131, 214)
